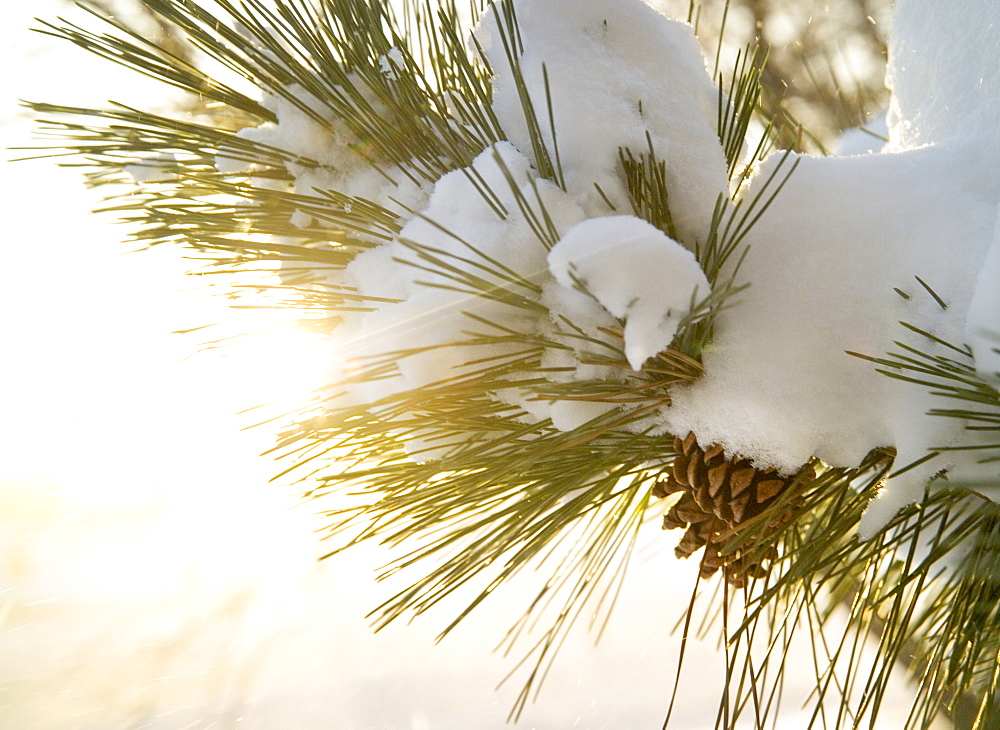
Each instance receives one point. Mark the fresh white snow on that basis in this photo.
(943, 72)
(599, 67)
(637, 272)
(427, 313)
(983, 324)
(609, 87)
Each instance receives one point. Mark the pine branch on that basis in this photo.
(457, 473)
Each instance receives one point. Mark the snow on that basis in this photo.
(825, 261)
(425, 313)
(152, 169)
(596, 56)
(983, 324)
(946, 84)
(870, 137)
(326, 149)
(390, 63)
(637, 273)
(605, 64)
(943, 72)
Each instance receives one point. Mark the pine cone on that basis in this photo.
(720, 495)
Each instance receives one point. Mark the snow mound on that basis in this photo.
(830, 268)
(852, 247)
(430, 290)
(616, 72)
(943, 71)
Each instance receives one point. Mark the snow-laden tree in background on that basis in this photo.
(563, 268)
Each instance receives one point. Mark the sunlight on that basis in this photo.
(278, 366)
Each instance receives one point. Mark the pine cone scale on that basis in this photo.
(739, 507)
(717, 478)
(694, 468)
(679, 471)
(769, 489)
(741, 480)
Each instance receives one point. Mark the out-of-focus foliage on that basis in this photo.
(826, 60)
(136, 15)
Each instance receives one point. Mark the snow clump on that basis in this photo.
(426, 313)
(825, 268)
(616, 72)
(637, 273)
(325, 153)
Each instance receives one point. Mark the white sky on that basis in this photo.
(149, 574)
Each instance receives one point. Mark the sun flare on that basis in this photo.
(279, 365)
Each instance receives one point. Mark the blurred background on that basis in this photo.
(151, 574)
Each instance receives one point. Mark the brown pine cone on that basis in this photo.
(719, 496)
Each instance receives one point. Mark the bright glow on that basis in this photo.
(275, 364)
